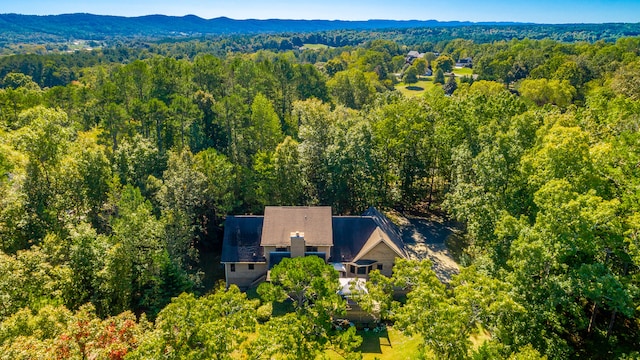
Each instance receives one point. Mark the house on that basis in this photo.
(354, 245)
(412, 55)
(464, 62)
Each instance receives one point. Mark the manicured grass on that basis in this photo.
(386, 345)
(416, 89)
(463, 71)
(315, 46)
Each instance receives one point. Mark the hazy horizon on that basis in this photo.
(544, 11)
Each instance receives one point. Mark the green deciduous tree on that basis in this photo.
(311, 83)
(45, 139)
(439, 77)
(312, 286)
(211, 327)
(185, 113)
(402, 131)
(14, 80)
(220, 177)
(135, 274)
(355, 166)
(28, 279)
(562, 154)
(183, 200)
(351, 88)
(627, 81)
(377, 297)
(265, 129)
(430, 312)
(444, 63)
(136, 159)
(95, 177)
(309, 283)
(208, 73)
(410, 75)
(421, 66)
(570, 267)
(316, 123)
(543, 91)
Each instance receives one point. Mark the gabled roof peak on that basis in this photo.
(387, 227)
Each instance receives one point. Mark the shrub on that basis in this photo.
(264, 312)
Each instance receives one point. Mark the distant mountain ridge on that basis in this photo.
(89, 26)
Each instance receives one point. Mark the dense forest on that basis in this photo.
(26, 34)
(119, 165)
(16, 28)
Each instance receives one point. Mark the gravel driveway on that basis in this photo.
(425, 239)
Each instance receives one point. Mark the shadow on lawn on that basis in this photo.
(372, 342)
(414, 88)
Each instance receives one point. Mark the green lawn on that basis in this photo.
(416, 89)
(315, 46)
(463, 71)
(388, 344)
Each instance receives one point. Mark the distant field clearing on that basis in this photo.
(315, 46)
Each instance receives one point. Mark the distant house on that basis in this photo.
(465, 62)
(428, 72)
(354, 245)
(412, 55)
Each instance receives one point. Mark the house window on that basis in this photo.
(281, 249)
(251, 267)
(311, 249)
(232, 268)
(370, 268)
(352, 269)
(362, 270)
(380, 267)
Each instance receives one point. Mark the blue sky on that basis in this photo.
(540, 11)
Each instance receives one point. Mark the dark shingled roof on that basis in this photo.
(242, 236)
(350, 233)
(276, 257)
(242, 239)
